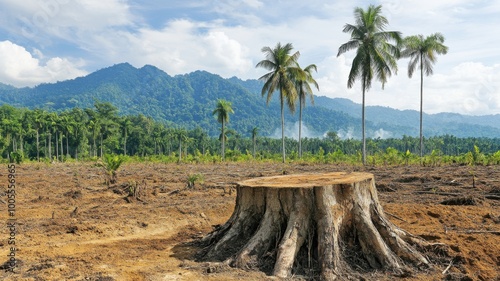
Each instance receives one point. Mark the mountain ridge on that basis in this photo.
(187, 100)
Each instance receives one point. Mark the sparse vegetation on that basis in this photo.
(111, 163)
(194, 179)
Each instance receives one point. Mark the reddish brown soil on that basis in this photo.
(107, 238)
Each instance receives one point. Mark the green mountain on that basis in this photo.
(188, 101)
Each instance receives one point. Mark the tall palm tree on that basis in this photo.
(375, 55)
(422, 51)
(304, 90)
(222, 110)
(283, 68)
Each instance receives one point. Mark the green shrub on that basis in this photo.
(111, 163)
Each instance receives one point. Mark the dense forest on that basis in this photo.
(89, 133)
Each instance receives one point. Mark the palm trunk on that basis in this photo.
(180, 150)
(101, 145)
(57, 147)
(363, 123)
(421, 109)
(77, 144)
(21, 144)
(62, 150)
(282, 126)
(67, 146)
(125, 143)
(50, 146)
(37, 146)
(253, 141)
(94, 148)
(300, 129)
(223, 141)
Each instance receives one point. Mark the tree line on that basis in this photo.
(89, 133)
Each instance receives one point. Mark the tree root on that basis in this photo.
(326, 222)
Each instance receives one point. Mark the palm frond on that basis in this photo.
(267, 64)
(412, 65)
(350, 45)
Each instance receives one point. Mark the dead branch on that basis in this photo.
(174, 192)
(492, 197)
(447, 268)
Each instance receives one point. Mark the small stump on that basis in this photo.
(332, 223)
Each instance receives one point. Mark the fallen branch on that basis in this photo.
(447, 268)
(492, 197)
(174, 192)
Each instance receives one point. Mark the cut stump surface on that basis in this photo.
(329, 223)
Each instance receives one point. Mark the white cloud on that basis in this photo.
(68, 20)
(225, 37)
(19, 68)
(181, 46)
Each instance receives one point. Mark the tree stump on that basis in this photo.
(332, 223)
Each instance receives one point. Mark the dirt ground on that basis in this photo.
(72, 226)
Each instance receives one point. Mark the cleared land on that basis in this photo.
(71, 226)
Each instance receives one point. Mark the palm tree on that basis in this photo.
(422, 51)
(283, 68)
(375, 55)
(304, 90)
(255, 131)
(222, 110)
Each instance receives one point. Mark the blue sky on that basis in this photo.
(43, 41)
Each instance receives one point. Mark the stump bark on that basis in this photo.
(332, 223)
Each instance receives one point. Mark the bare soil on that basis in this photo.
(72, 226)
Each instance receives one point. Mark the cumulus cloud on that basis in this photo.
(225, 37)
(181, 46)
(471, 87)
(19, 68)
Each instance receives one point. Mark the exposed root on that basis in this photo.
(329, 230)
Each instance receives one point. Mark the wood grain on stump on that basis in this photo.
(332, 223)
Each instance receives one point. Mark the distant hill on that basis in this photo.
(408, 121)
(188, 101)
